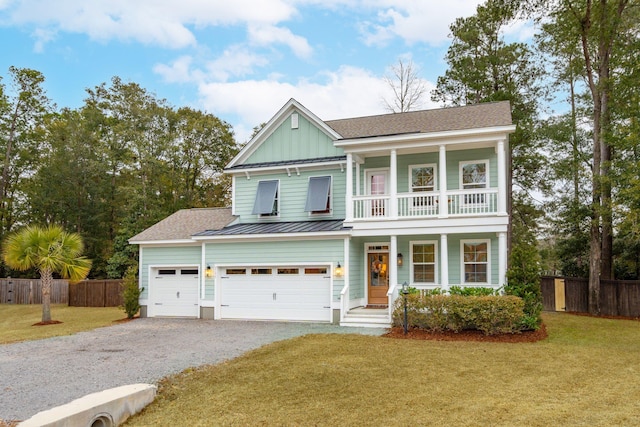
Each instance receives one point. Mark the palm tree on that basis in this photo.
(49, 250)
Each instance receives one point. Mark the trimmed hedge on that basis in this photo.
(490, 314)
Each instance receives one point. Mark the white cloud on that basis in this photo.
(347, 92)
(177, 72)
(414, 21)
(161, 22)
(236, 61)
(265, 35)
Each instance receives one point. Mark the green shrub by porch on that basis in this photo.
(492, 314)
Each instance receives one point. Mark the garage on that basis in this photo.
(299, 293)
(173, 292)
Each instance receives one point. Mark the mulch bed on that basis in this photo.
(419, 334)
(50, 322)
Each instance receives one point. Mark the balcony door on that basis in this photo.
(377, 182)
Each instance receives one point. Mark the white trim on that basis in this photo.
(462, 263)
(176, 242)
(436, 270)
(283, 168)
(474, 162)
(424, 165)
(233, 194)
(502, 258)
(444, 262)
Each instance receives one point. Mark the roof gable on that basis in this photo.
(280, 140)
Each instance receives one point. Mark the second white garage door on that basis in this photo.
(275, 293)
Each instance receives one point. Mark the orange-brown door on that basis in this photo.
(378, 282)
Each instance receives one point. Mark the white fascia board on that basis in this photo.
(179, 242)
(444, 226)
(410, 140)
(274, 236)
(274, 123)
(290, 166)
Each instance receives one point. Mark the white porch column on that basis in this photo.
(444, 262)
(349, 192)
(203, 266)
(502, 258)
(358, 191)
(442, 182)
(502, 177)
(393, 183)
(393, 261)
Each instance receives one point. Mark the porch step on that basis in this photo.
(367, 318)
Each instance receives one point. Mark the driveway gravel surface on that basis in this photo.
(42, 374)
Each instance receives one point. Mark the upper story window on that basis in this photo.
(266, 203)
(423, 178)
(475, 261)
(319, 195)
(474, 175)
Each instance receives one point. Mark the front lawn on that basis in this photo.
(16, 321)
(586, 373)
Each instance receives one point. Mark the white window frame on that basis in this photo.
(323, 213)
(462, 263)
(426, 165)
(435, 262)
(474, 162)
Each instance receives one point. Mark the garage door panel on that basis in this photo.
(276, 296)
(173, 294)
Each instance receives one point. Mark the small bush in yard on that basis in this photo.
(131, 292)
(491, 314)
(469, 291)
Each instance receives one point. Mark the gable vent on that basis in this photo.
(294, 121)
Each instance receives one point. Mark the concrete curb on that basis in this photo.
(108, 408)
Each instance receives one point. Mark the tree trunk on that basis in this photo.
(47, 280)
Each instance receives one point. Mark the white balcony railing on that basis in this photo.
(427, 204)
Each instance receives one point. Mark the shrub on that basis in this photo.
(468, 291)
(492, 314)
(131, 292)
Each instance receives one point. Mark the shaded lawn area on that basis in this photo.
(586, 373)
(16, 321)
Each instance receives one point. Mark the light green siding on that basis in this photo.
(356, 268)
(276, 253)
(306, 142)
(453, 167)
(169, 256)
(292, 194)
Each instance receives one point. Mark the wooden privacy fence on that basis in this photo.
(87, 293)
(29, 291)
(617, 297)
(96, 293)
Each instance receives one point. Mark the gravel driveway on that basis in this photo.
(38, 375)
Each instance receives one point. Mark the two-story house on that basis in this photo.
(330, 218)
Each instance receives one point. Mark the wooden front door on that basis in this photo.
(378, 273)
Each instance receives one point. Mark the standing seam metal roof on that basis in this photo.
(277, 227)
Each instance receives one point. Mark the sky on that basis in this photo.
(240, 60)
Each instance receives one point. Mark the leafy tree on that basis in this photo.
(22, 112)
(131, 292)
(406, 85)
(49, 250)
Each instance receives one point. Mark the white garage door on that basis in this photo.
(276, 293)
(173, 292)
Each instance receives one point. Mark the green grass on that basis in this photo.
(16, 321)
(587, 373)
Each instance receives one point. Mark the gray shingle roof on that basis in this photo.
(185, 223)
(277, 227)
(288, 162)
(482, 115)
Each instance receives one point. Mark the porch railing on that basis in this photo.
(426, 204)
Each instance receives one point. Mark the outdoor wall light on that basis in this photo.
(208, 272)
(339, 271)
(400, 260)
